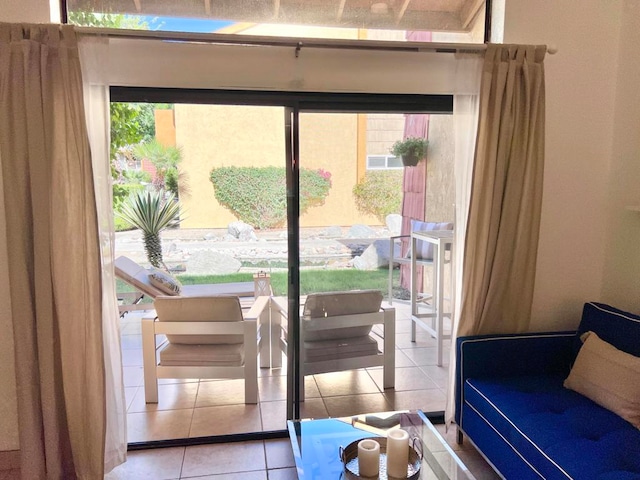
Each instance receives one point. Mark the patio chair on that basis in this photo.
(423, 258)
(206, 337)
(336, 333)
(138, 277)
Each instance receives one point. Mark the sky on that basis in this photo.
(178, 24)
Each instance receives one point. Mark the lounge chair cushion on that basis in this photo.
(338, 349)
(200, 309)
(136, 275)
(167, 283)
(425, 249)
(180, 355)
(333, 304)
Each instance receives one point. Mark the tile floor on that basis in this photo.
(192, 408)
(256, 460)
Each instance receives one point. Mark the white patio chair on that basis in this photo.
(206, 337)
(336, 333)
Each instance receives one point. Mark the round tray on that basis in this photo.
(349, 457)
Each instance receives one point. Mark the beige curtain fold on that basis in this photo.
(506, 196)
(54, 259)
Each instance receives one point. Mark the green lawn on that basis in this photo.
(311, 281)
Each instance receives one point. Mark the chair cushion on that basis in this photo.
(136, 275)
(608, 376)
(425, 249)
(338, 349)
(200, 309)
(333, 304)
(202, 355)
(167, 283)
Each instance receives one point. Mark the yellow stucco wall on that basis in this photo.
(165, 127)
(221, 135)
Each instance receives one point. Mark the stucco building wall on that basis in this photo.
(222, 135)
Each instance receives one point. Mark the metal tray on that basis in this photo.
(349, 457)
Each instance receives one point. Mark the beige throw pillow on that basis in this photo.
(608, 376)
(165, 282)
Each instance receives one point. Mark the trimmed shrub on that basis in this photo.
(379, 193)
(258, 196)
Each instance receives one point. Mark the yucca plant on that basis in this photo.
(151, 212)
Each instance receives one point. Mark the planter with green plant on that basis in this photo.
(411, 150)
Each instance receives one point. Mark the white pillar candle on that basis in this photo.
(397, 453)
(368, 458)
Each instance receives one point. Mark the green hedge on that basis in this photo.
(379, 193)
(258, 196)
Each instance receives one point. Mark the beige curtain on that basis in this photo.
(506, 194)
(54, 262)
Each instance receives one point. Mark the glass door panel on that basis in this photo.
(224, 165)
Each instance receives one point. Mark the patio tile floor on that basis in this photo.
(189, 408)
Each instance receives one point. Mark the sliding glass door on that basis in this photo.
(290, 189)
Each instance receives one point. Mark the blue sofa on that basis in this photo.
(511, 403)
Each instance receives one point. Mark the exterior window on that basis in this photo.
(383, 162)
(459, 21)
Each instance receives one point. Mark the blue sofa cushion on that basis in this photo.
(620, 329)
(561, 433)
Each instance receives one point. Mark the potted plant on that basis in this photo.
(411, 150)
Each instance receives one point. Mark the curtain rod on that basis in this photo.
(297, 43)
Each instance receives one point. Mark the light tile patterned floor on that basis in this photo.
(191, 408)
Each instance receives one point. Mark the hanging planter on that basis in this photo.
(411, 150)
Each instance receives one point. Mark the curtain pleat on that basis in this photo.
(504, 217)
(95, 75)
(54, 263)
(466, 105)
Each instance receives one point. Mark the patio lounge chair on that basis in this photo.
(206, 337)
(138, 277)
(336, 333)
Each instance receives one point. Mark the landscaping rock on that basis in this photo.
(237, 228)
(208, 262)
(375, 256)
(248, 235)
(394, 223)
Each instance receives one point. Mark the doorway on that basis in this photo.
(318, 149)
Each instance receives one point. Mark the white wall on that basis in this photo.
(581, 94)
(31, 11)
(621, 277)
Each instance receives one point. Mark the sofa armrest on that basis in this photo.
(511, 355)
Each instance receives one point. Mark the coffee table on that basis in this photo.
(316, 444)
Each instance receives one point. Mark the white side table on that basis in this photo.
(441, 239)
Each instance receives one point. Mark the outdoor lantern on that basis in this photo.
(262, 284)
